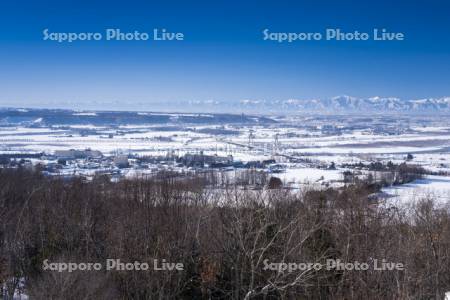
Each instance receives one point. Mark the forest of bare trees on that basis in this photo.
(223, 237)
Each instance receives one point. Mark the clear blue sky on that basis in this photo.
(223, 55)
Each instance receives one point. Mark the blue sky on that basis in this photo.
(223, 55)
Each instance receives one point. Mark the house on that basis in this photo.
(200, 160)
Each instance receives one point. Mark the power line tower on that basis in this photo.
(251, 138)
(276, 145)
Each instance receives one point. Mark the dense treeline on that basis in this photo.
(385, 174)
(223, 237)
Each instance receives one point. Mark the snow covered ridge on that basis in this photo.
(353, 104)
(335, 104)
(348, 103)
(338, 104)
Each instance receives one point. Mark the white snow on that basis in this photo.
(93, 114)
(310, 175)
(431, 187)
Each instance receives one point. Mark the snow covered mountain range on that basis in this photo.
(340, 104)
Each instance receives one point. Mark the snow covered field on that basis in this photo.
(432, 187)
(311, 175)
(308, 145)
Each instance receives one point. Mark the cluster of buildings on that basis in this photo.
(90, 162)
